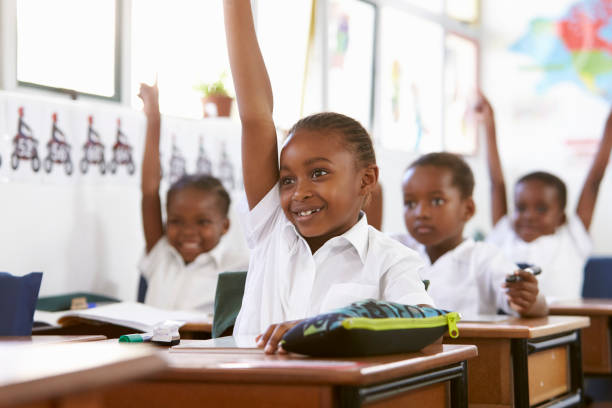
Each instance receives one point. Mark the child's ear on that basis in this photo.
(469, 208)
(369, 178)
(226, 225)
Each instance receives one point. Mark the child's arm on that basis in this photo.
(151, 173)
(590, 189)
(255, 103)
(524, 295)
(485, 115)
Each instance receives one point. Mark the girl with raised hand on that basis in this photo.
(312, 249)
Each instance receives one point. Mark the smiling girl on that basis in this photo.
(313, 250)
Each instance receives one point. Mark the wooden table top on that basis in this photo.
(35, 372)
(254, 366)
(6, 340)
(591, 307)
(518, 327)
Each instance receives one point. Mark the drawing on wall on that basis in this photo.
(177, 162)
(350, 51)
(122, 153)
(460, 81)
(26, 146)
(93, 150)
(226, 170)
(575, 47)
(58, 149)
(203, 164)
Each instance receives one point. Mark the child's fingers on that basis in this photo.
(526, 276)
(263, 338)
(277, 335)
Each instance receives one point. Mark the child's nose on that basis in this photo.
(422, 210)
(302, 191)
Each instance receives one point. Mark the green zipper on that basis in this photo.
(396, 323)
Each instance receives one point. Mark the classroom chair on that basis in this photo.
(18, 295)
(598, 278)
(228, 300)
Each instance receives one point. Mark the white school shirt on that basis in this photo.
(467, 279)
(287, 282)
(561, 255)
(175, 286)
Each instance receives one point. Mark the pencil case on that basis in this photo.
(369, 328)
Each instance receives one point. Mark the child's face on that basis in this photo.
(434, 211)
(537, 210)
(321, 189)
(195, 222)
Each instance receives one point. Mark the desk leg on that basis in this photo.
(577, 376)
(456, 375)
(520, 372)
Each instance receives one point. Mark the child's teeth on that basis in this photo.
(308, 212)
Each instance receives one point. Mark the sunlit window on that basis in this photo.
(68, 44)
(411, 82)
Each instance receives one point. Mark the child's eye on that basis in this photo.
(174, 221)
(319, 172)
(203, 222)
(520, 208)
(284, 181)
(409, 204)
(541, 209)
(436, 202)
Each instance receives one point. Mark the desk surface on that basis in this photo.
(39, 371)
(254, 366)
(591, 307)
(518, 327)
(6, 340)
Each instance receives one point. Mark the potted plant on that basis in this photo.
(215, 99)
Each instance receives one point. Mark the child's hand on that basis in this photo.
(150, 98)
(272, 336)
(523, 293)
(483, 110)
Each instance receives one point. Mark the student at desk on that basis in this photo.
(539, 231)
(465, 276)
(183, 260)
(312, 248)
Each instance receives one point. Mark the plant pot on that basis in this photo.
(217, 105)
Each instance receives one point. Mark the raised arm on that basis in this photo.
(499, 206)
(255, 102)
(590, 189)
(151, 171)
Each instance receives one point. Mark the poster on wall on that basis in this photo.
(351, 30)
(57, 143)
(460, 84)
(4, 138)
(27, 130)
(566, 51)
(411, 93)
(200, 147)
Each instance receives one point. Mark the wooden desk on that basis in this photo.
(193, 330)
(524, 362)
(22, 340)
(596, 339)
(69, 374)
(434, 377)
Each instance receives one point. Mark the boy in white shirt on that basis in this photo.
(539, 232)
(183, 258)
(312, 250)
(465, 276)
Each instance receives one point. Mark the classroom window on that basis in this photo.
(68, 45)
(182, 43)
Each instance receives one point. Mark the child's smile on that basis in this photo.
(195, 223)
(319, 185)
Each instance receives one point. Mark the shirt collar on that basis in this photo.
(357, 236)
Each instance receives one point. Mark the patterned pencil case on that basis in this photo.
(369, 328)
